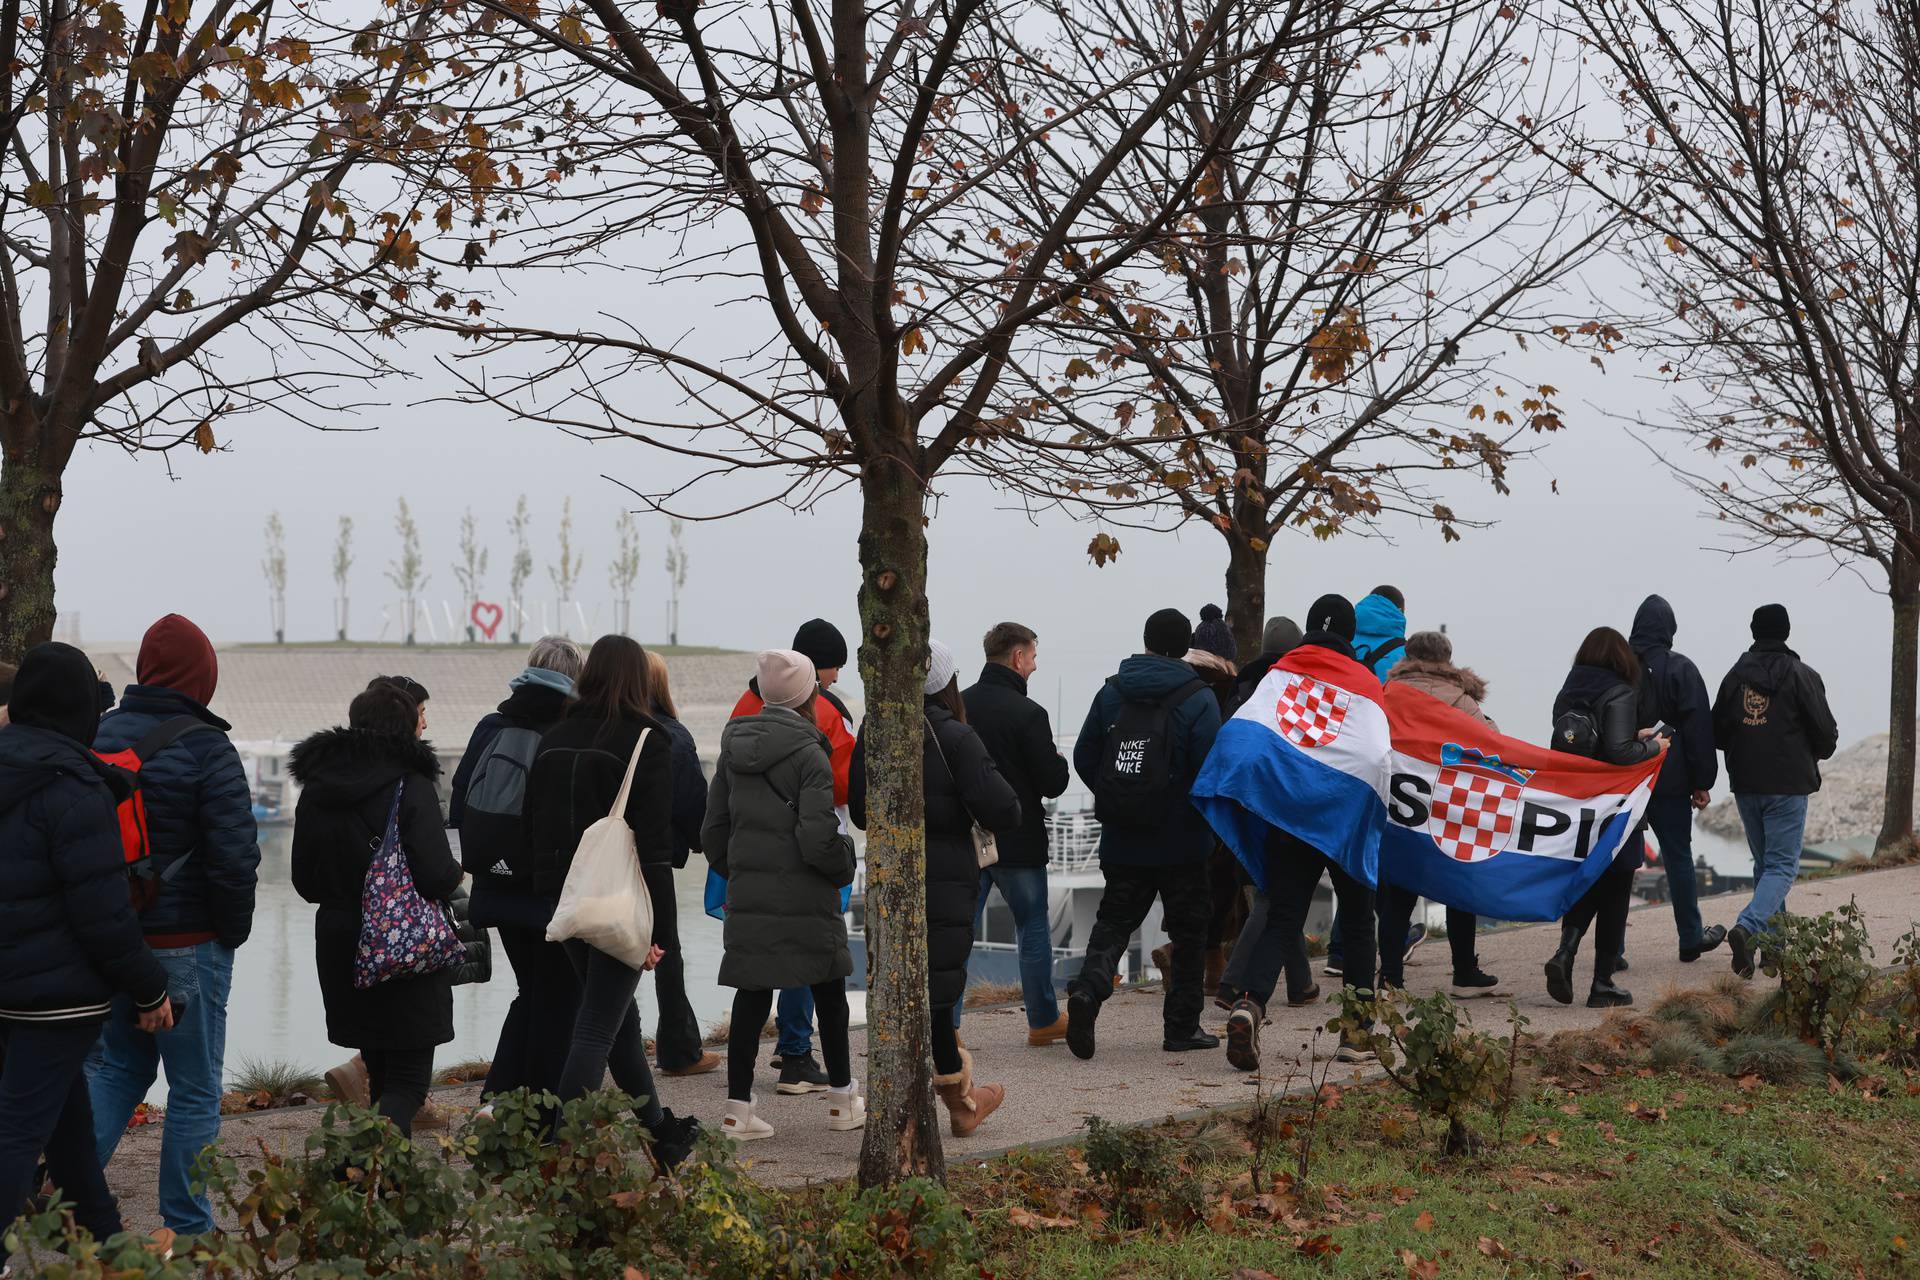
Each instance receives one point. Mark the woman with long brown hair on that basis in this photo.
(676, 1035)
(1597, 715)
(575, 781)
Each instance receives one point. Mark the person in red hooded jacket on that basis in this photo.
(826, 648)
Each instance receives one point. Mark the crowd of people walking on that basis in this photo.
(129, 862)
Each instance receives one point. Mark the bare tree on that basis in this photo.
(676, 578)
(470, 568)
(522, 567)
(1312, 345)
(407, 571)
(342, 567)
(899, 191)
(275, 569)
(173, 183)
(1767, 159)
(623, 571)
(565, 574)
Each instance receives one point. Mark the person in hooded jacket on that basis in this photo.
(575, 783)
(1772, 719)
(348, 778)
(963, 789)
(1672, 692)
(1293, 869)
(1277, 640)
(1428, 667)
(532, 1046)
(1212, 659)
(1019, 737)
(826, 649)
(1162, 857)
(771, 832)
(1604, 686)
(70, 943)
(676, 1035)
(206, 862)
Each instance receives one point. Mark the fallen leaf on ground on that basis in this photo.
(1419, 1268)
(1425, 1221)
(1020, 1217)
(1493, 1248)
(1320, 1246)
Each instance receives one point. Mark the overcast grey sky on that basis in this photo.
(1517, 597)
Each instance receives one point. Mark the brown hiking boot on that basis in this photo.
(349, 1082)
(1216, 969)
(967, 1103)
(708, 1061)
(1163, 961)
(431, 1115)
(1053, 1033)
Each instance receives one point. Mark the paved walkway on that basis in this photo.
(1050, 1093)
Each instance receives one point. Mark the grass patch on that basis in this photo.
(1627, 1175)
(982, 994)
(468, 1072)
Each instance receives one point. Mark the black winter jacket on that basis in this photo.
(576, 779)
(199, 806)
(1773, 722)
(1671, 690)
(69, 939)
(1614, 707)
(689, 790)
(487, 845)
(1019, 737)
(1183, 836)
(961, 787)
(347, 778)
(772, 834)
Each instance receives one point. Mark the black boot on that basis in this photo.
(1560, 968)
(1604, 994)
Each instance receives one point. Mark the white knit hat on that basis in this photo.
(940, 667)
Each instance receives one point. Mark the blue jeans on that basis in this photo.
(1774, 826)
(1671, 817)
(1025, 891)
(194, 1055)
(794, 1021)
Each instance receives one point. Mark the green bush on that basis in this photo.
(1775, 1058)
(1446, 1067)
(1825, 970)
(1904, 1024)
(494, 1201)
(1685, 1051)
(1139, 1175)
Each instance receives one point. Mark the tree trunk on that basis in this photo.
(29, 501)
(1246, 594)
(901, 1139)
(1896, 823)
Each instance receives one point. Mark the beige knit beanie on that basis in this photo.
(786, 678)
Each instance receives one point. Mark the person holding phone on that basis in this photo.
(1598, 707)
(69, 938)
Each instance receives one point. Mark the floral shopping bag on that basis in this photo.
(402, 935)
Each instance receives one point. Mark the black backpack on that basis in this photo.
(491, 842)
(1577, 732)
(1136, 760)
(1370, 658)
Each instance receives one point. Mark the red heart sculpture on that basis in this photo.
(487, 617)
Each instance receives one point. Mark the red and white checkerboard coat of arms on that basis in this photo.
(1474, 813)
(1310, 713)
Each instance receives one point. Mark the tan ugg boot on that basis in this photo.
(1216, 969)
(967, 1103)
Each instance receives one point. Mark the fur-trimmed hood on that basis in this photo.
(1458, 687)
(344, 766)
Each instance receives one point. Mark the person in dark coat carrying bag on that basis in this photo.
(1019, 737)
(772, 834)
(963, 791)
(348, 778)
(69, 939)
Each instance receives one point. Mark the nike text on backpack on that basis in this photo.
(144, 878)
(402, 935)
(604, 901)
(491, 839)
(1136, 760)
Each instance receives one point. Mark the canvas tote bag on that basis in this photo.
(604, 901)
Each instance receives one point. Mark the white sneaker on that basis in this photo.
(742, 1125)
(484, 1112)
(846, 1109)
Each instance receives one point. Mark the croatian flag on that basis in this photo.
(1392, 783)
(1309, 754)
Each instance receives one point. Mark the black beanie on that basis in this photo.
(1770, 622)
(1169, 634)
(822, 643)
(57, 689)
(1333, 614)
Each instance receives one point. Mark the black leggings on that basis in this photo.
(946, 1041)
(1609, 900)
(750, 1010)
(397, 1083)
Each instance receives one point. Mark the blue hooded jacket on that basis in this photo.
(1183, 836)
(1380, 634)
